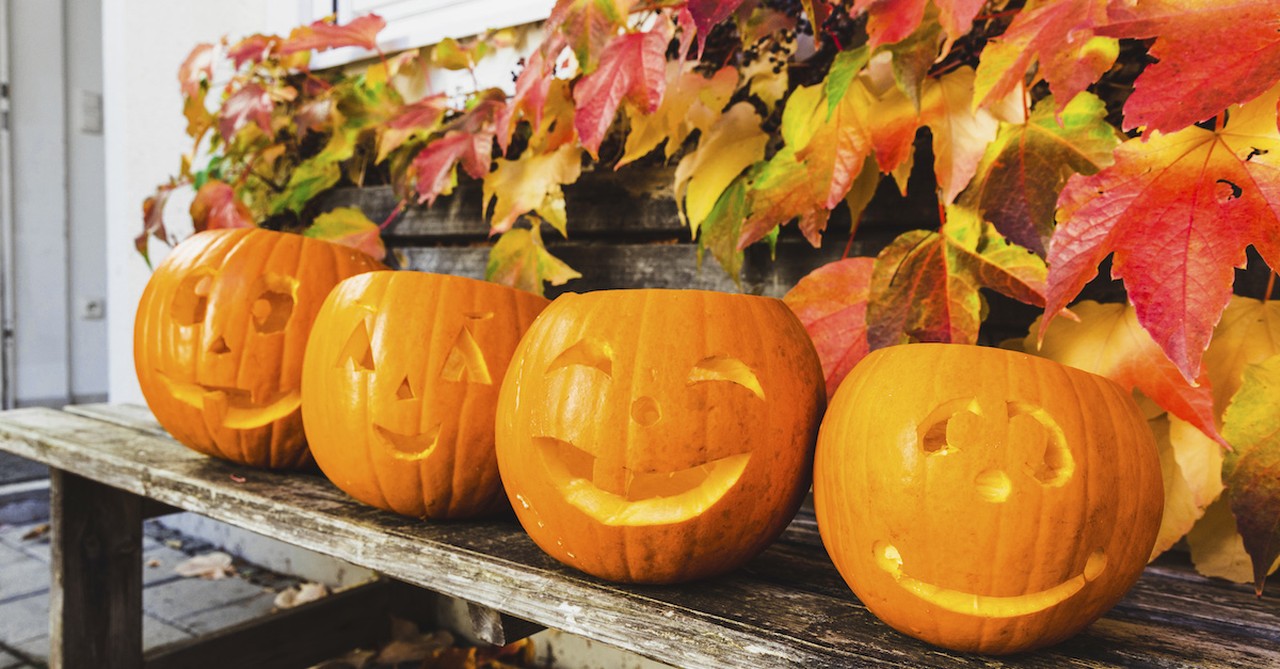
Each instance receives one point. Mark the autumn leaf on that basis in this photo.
(350, 227)
(418, 118)
(925, 284)
(1248, 333)
(199, 120)
(196, 69)
(216, 207)
(913, 57)
(1184, 86)
(250, 104)
(1108, 340)
(632, 67)
(532, 86)
(890, 21)
(1252, 425)
(831, 303)
(1177, 212)
(1059, 34)
(730, 146)
(588, 25)
(153, 220)
(960, 133)
(308, 179)
(251, 49)
(520, 260)
(1023, 171)
(361, 32)
(451, 54)
(691, 102)
(720, 231)
(707, 13)
(528, 183)
(434, 165)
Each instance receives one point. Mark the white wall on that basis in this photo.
(143, 43)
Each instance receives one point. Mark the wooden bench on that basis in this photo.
(786, 608)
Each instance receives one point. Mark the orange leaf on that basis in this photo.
(361, 32)
(216, 206)
(632, 67)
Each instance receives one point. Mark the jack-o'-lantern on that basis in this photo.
(985, 500)
(219, 336)
(658, 436)
(401, 382)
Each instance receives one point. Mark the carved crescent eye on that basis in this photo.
(272, 304)
(191, 298)
(726, 368)
(588, 353)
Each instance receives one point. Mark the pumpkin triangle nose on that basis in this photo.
(219, 346)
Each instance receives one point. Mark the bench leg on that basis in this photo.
(95, 603)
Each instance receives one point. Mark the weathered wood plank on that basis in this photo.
(787, 608)
(95, 594)
(297, 637)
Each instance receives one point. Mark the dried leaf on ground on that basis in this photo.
(301, 594)
(209, 566)
(37, 532)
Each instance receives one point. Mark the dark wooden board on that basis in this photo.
(786, 608)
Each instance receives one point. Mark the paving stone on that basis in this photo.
(10, 555)
(12, 536)
(8, 661)
(171, 601)
(156, 632)
(24, 619)
(21, 578)
(233, 613)
(164, 560)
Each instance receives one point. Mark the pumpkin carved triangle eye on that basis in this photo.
(358, 349)
(465, 357)
(726, 368)
(588, 353)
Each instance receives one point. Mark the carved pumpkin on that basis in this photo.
(219, 336)
(401, 383)
(657, 436)
(985, 500)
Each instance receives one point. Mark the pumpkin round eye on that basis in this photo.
(272, 304)
(191, 299)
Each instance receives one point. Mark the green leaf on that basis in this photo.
(520, 260)
(1252, 425)
(844, 68)
(350, 227)
(722, 228)
(310, 178)
(1017, 183)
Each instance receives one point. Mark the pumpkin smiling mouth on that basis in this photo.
(234, 408)
(409, 447)
(957, 601)
(638, 498)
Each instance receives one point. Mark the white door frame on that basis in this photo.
(7, 277)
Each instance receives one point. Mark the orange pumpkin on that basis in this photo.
(219, 336)
(657, 436)
(401, 382)
(985, 500)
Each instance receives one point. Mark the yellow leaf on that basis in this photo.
(730, 146)
(1180, 511)
(1199, 459)
(523, 185)
(960, 134)
(1216, 547)
(1192, 467)
(520, 260)
(1248, 333)
(691, 102)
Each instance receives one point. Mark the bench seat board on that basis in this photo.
(786, 608)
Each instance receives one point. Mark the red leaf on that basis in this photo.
(632, 67)
(588, 25)
(249, 104)
(1195, 77)
(361, 32)
(425, 114)
(532, 86)
(890, 21)
(707, 13)
(197, 67)
(831, 302)
(153, 220)
(434, 164)
(251, 49)
(1177, 211)
(216, 207)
